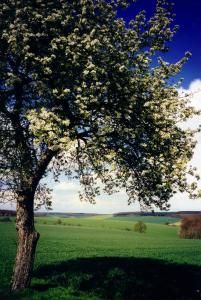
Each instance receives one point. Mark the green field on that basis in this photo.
(103, 258)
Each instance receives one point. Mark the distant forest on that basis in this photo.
(177, 214)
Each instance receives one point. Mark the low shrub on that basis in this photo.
(191, 227)
(140, 227)
(58, 222)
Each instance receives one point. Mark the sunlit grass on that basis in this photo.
(94, 238)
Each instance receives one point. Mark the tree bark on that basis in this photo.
(27, 241)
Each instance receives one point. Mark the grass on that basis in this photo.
(103, 258)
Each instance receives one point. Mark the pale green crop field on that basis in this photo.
(103, 258)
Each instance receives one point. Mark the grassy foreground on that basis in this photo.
(103, 258)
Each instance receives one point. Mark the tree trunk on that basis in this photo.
(27, 241)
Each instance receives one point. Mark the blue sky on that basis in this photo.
(188, 16)
(188, 38)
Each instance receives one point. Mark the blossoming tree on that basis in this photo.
(81, 93)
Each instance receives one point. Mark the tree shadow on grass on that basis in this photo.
(123, 278)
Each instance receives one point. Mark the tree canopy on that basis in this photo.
(85, 93)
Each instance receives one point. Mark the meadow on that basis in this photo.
(103, 258)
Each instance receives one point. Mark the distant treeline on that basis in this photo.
(7, 213)
(10, 213)
(177, 214)
(68, 215)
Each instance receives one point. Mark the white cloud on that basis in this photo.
(194, 93)
(194, 90)
(67, 186)
(182, 202)
(104, 203)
